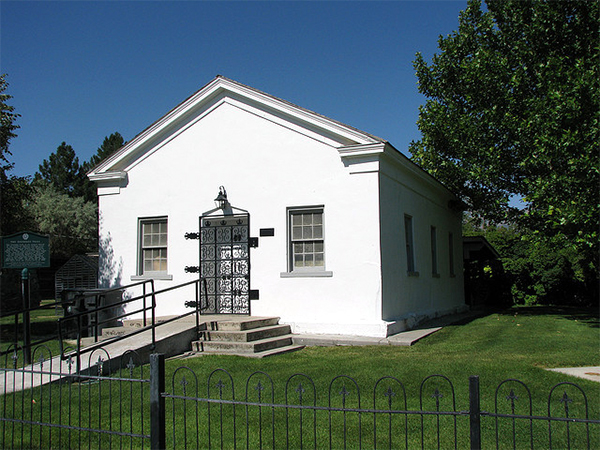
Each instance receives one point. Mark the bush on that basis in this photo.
(539, 270)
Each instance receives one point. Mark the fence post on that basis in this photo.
(474, 412)
(157, 402)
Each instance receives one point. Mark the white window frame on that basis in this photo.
(312, 271)
(452, 268)
(152, 274)
(434, 252)
(409, 241)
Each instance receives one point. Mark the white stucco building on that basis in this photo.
(353, 238)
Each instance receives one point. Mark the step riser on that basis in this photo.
(247, 336)
(243, 325)
(240, 347)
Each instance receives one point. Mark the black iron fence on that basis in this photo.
(130, 405)
(51, 405)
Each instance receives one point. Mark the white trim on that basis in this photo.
(109, 183)
(108, 176)
(312, 122)
(140, 250)
(307, 274)
(156, 276)
(409, 245)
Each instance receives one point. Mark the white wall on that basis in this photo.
(419, 295)
(265, 168)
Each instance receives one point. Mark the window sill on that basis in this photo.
(412, 274)
(315, 274)
(158, 276)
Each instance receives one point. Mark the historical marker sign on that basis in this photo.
(25, 250)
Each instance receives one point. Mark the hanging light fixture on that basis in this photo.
(221, 200)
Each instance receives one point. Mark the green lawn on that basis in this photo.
(518, 343)
(43, 328)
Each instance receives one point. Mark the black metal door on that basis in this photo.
(225, 263)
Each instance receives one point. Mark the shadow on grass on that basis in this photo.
(589, 316)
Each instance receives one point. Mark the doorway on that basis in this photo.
(225, 263)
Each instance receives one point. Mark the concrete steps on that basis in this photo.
(223, 334)
(245, 336)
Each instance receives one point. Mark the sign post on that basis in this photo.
(25, 251)
(26, 296)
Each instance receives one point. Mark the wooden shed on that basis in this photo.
(79, 272)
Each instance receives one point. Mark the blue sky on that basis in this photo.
(81, 70)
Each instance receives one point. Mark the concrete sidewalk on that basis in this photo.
(403, 339)
(591, 373)
(172, 338)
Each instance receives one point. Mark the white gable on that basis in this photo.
(217, 93)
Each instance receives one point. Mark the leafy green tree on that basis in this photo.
(538, 271)
(13, 216)
(513, 110)
(8, 126)
(71, 222)
(12, 188)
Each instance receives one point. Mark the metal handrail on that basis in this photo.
(16, 347)
(95, 313)
(153, 325)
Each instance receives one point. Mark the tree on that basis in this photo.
(109, 146)
(7, 125)
(71, 222)
(513, 110)
(62, 170)
(12, 188)
(537, 271)
(13, 216)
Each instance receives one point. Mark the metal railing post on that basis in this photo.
(157, 402)
(97, 303)
(78, 366)
(474, 412)
(153, 314)
(198, 299)
(144, 302)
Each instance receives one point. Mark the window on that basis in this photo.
(410, 252)
(451, 253)
(153, 247)
(306, 253)
(434, 253)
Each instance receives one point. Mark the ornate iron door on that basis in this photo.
(225, 263)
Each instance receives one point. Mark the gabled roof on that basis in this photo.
(353, 145)
(478, 248)
(224, 89)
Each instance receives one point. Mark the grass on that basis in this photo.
(43, 328)
(517, 343)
